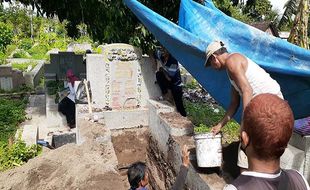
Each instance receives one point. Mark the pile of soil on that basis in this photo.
(88, 166)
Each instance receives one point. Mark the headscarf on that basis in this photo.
(71, 77)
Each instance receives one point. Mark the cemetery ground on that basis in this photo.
(99, 162)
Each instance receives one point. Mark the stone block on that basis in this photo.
(17, 78)
(59, 140)
(5, 70)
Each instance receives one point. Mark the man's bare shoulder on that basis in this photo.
(235, 61)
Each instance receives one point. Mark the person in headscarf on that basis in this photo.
(67, 105)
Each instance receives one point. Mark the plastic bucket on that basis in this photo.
(208, 150)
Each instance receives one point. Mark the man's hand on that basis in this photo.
(185, 156)
(216, 129)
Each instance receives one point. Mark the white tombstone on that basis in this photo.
(120, 77)
(6, 83)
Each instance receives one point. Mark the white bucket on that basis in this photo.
(208, 150)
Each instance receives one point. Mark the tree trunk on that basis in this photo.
(299, 32)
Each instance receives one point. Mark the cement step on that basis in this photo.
(30, 134)
(36, 116)
(53, 117)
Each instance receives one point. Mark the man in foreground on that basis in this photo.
(265, 131)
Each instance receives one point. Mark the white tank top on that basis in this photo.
(259, 80)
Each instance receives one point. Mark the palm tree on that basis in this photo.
(299, 32)
(291, 7)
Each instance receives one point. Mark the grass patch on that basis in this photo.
(16, 154)
(12, 113)
(12, 154)
(23, 66)
(204, 116)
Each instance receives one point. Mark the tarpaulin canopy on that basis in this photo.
(199, 25)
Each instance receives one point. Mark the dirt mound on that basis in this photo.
(87, 166)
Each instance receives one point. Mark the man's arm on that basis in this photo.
(237, 72)
(234, 104)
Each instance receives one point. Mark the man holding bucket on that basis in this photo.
(247, 79)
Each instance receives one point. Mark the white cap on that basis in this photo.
(212, 47)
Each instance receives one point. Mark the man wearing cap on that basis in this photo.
(247, 80)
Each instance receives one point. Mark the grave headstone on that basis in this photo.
(6, 83)
(120, 77)
(62, 61)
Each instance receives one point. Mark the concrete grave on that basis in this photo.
(121, 78)
(32, 78)
(62, 61)
(10, 78)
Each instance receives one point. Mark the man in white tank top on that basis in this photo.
(247, 80)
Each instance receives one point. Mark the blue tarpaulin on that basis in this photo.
(199, 25)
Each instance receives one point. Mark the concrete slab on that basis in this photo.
(303, 143)
(36, 116)
(54, 119)
(30, 134)
(293, 158)
(158, 130)
(126, 118)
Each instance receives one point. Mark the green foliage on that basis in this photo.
(2, 58)
(25, 44)
(203, 113)
(20, 54)
(54, 86)
(202, 128)
(203, 116)
(38, 51)
(12, 112)
(23, 66)
(192, 85)
(231, 132)
(260, 10)
(17, 154)
(10, 49)
(6, 35)
(227, 7)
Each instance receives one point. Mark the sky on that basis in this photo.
(278, 4)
